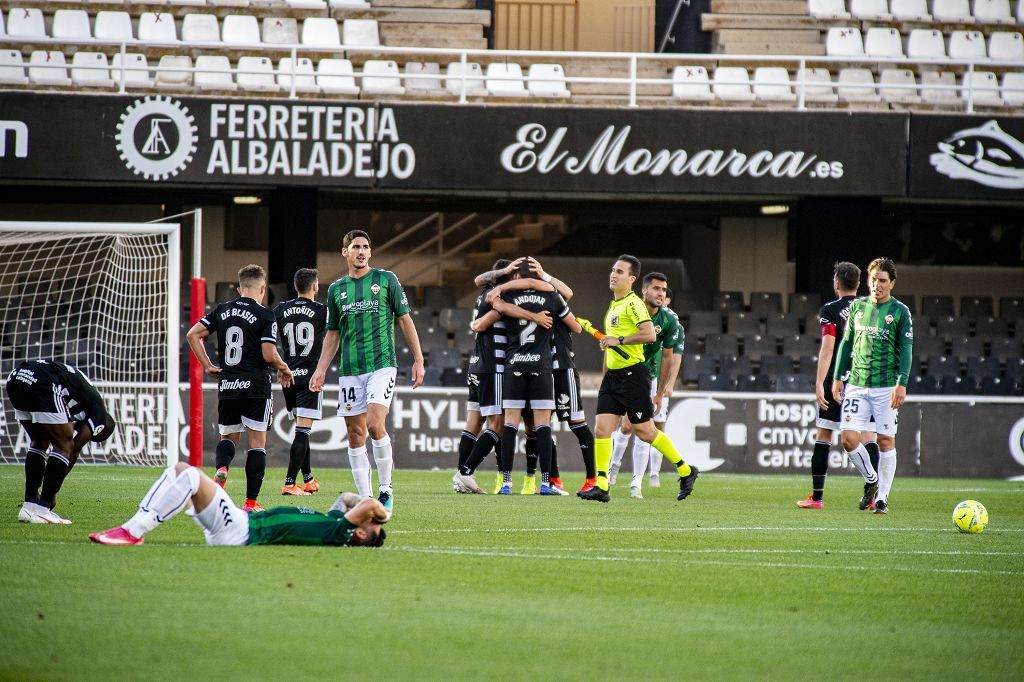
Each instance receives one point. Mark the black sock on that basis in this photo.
(543, 438)
(497, 454)
(225, 453)
(872, 448)
(481, 448)
(300, 446)
(819, 469)
(466, 442)
(508, 448)
(255, 467)
(531, 454)
(35, 465)
(307, 469)
(554, 459)
(586, 438)
(53, 478)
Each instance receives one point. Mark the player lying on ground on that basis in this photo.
(61, 411)
(350, 521)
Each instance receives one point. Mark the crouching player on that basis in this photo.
(351, 520)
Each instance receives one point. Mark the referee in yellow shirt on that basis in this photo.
(626, 387)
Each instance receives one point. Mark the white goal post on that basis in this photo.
(104, 297)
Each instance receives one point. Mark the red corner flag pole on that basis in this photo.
(195, 380)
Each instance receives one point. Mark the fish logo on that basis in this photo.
(986, 155)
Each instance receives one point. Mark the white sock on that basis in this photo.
(619, 441)
(360, 464)
(168, 496)
(656, 458)
(641, 453)
(385, 464)
(860, 459)
(886, 472)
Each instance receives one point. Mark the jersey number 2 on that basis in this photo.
(526, 336)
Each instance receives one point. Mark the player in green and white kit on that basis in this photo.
(362, 309)
(872, 370)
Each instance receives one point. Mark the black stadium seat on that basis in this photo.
(445, 358)
(967, 347)
(721, 344)
(741, 324)
(695, 365)
(910, 301)
(804, 305)
(776, 365)
(976, 306)
(983, 367)
(955, 386)
(714, 382)
(727, 301)
(1003, 386)
(927, 346)
(782, 324)
(1011, 307)
(700, 323)
(754, 383)
(735, 365)
(432, 376)
(1015, 368)
(991, 328)
(764, 303)
(438, 297)
(941, 366)
(1006, 349)
(800, 345)
(924, 385)
(951, 327)
(453, 376)
(794, 383)
(454, 319)
(756, 346)
(937, 306)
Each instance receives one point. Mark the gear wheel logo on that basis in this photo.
(156, 137)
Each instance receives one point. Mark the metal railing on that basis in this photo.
(463, 85)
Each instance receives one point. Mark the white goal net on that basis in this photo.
(103, 297)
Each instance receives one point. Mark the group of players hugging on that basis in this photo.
(521, 370)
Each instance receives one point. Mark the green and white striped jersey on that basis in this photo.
(363, 311)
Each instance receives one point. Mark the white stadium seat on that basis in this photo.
(870, 10)
(213, 72)
(818, 86)
(113, 26)
(91, 69)
(3, 31)
(939, 96)
(857, 85)
(506, 80)
(844, 42)
(771, 84)
(307, 4)
(426, 77)
(474, 79)
(985, 87)
(899, 86)
(320, 32)
(992, 12)
(1013, 89)
(193, 3)
(1004, 46)
(240, 29)
(305, 77)
(731, 84)
(168, 77)
(71, 24)
(827, 9)
(380, 77)
(547, 80)
(157, 27)
(691, 83)
(48, 68)
(136, 69)
(349, 3)
(1020, 11)
(256, 73)
(226, 3)
(25, 23)
(966, 45)
(280, 31)
(361, 33)
(926, 43)
(910, 10)
(952, 12)
(883, 42)
(200, 28)
(12, 68)
(335, 76)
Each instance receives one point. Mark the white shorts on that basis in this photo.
(861, 404)
(660, 411)
(358, 391)
(222, 522)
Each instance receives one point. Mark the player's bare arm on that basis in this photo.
(561, 287)
(491, 276)
(664, 377)
(828, 344)
(368, 509)
(195, 337)
(838, 389)
(274, 359)
(572, 323)
(332, 339)
(484, 322)
(644, 334)
(543, 318)
(517, 285)
(899, 396)
(412, 339)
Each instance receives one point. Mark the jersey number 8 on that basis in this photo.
(233, 346)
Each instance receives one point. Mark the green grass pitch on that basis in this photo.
(733, 583)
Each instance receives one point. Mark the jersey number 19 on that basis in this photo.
(302, 334)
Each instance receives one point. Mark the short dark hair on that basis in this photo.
(352, 236)
(668, 292)
(251, 275)
(501, 264)
(884, 264)
(847, 274)
(374, 537)
(634, 263)
(304, 279)
(651, 276)
(524, 268)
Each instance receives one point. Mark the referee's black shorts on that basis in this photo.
(627, 391)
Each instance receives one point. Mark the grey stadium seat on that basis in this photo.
(703, 322)
(727, 301)
(976, 306)
(937, 306)
(782, 324)
(721, 344)
(764, 302)
(714, 382)
(991, 328)
(756, 346)
(742, 324)
(695, 365)
(800, 345)
(804, 305)
(794, 383)
(924, 385)
(735, 365)
(756, 383)
(967, 347)
(982, 367)
(949, 326)
(1011, 307)
(941, 366)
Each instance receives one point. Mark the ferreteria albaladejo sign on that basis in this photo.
(395, 146)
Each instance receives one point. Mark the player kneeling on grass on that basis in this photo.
(351, 520)
(61, 411)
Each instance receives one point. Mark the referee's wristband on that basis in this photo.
(546, 277)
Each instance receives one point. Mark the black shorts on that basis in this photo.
(568, 405)
(627, 391)
(473, 384)
(38, 403)
(487, 393)
(302, 402)
(234, 416)
(535, 388)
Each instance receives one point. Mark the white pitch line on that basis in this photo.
(587, 529)
(697, 562)
(810, 552)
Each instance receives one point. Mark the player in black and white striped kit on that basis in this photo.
(301, 323)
